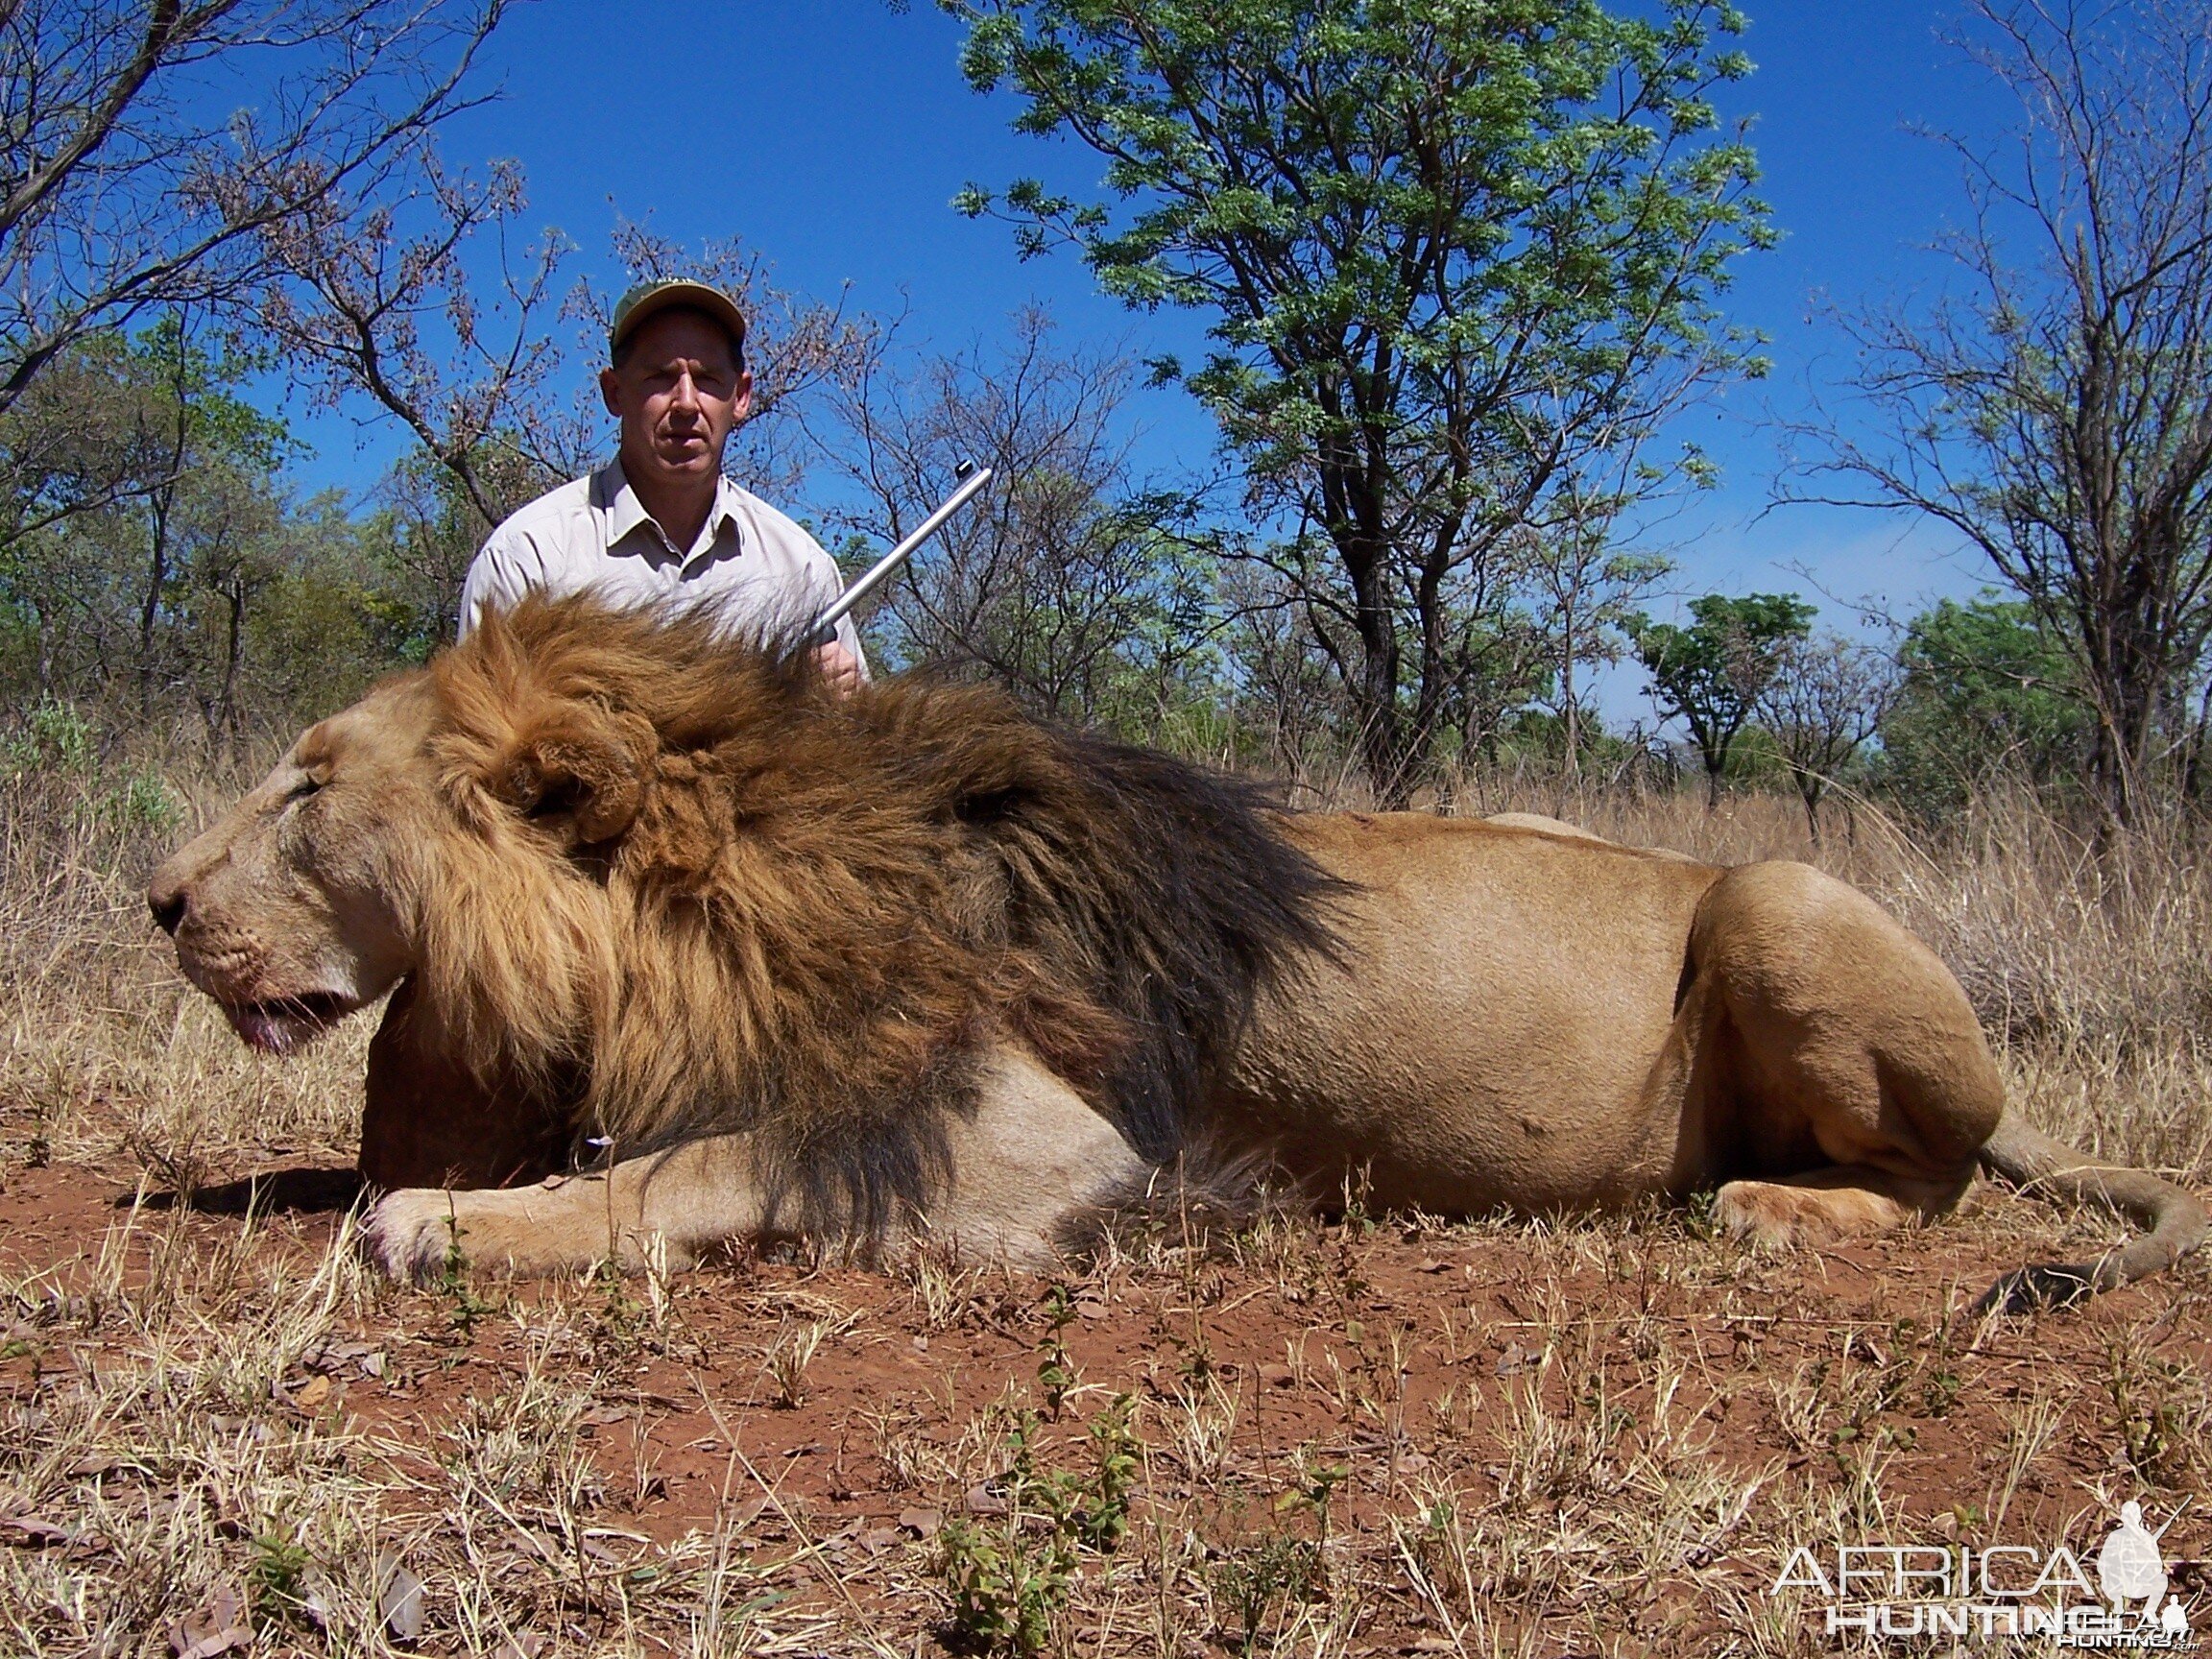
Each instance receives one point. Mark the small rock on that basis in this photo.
(399, 1601)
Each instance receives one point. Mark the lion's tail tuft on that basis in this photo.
(2033, 1161)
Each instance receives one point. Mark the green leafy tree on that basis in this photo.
(1712, 674)
(120, 455)
(207, 447)
(1455, 257)
(1985, 690)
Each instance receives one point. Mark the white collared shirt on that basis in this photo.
(751, 565)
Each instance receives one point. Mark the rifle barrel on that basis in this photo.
(879, 573)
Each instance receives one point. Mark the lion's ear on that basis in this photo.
(575, 766)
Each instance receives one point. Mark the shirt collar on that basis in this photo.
(625, 512)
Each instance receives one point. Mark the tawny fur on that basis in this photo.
(910, 963)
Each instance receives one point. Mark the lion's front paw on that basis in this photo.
(411, 1234)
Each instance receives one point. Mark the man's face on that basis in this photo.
(677, 395)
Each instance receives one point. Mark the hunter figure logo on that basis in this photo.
(1881, 1590)
(2130, 1569)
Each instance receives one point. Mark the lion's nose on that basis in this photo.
(167, 904)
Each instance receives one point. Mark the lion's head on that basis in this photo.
(668, 883)
(304, 902)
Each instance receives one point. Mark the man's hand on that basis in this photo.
(839, 666)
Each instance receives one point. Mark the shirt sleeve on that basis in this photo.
(831, 583)
(495, 579)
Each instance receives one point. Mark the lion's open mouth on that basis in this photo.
(283, 1023)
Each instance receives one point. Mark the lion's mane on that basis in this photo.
(691, 891)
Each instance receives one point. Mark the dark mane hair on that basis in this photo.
(695, 892)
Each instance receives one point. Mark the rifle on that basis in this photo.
(971, 479)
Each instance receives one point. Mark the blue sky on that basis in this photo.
(832, 134)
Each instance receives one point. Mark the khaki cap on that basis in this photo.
(650, 298)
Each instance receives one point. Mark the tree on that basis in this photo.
(136, 178)
(1984, 691)
(206, 439)
(430, 528)
(83, 438)
(235, 550)
(2060, 415)
(1588, 589)
(1064, 586)
(1826, 702)
(1451, 252)
(1712, 674)
(377, 303)
(115, 451)
(1285, 704)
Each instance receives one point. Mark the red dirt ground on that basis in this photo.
(1343, 1353)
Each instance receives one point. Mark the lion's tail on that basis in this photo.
(2034, 1162)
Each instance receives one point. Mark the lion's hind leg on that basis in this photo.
(1829, 1205)
(1857, 1085)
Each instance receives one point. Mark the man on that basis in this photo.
(660, 525)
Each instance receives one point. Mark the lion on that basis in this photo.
(684, 951)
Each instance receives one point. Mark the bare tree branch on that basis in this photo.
(122, 194)
(2058, 416)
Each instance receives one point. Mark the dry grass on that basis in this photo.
(1503, 1438)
